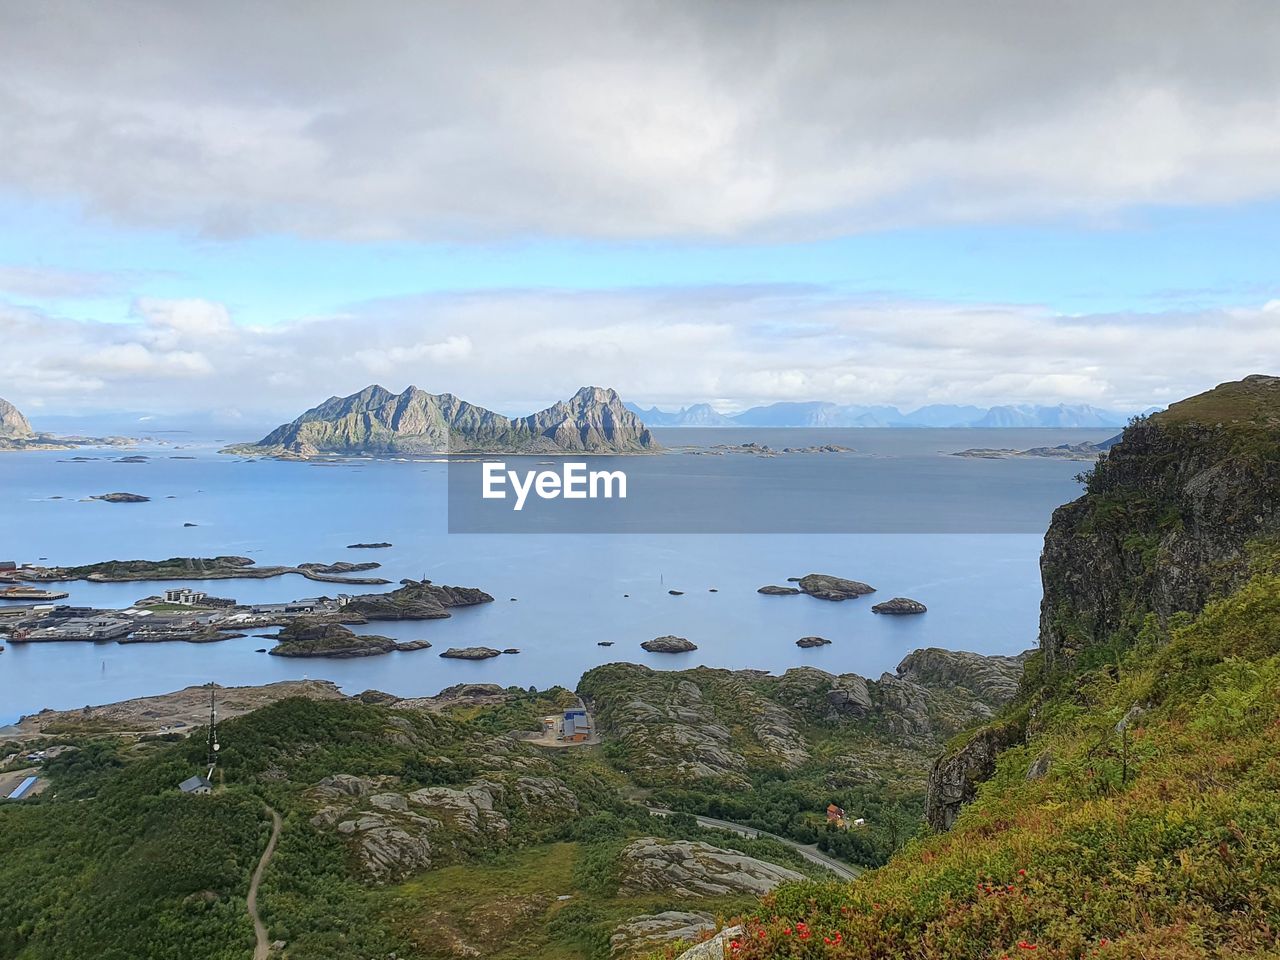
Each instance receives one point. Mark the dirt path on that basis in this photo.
(263, 946)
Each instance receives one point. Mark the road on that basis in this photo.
(807, 850)
(262, 947)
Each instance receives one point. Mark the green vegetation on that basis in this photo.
(1158, 839)
(113, 862)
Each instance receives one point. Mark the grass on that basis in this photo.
(508, 908)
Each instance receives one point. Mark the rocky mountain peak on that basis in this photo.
(13, 425)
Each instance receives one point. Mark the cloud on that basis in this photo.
(43, 283)
(517, 351)
(738, 120)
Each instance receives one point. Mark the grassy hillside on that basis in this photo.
(1140, 819)
(114, 863)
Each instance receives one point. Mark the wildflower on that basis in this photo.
(1025, 945)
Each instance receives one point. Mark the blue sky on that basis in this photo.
(687, 202)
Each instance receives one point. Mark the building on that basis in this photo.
(575, 727)
(184, 596)
(835, 814)
(7, 566)
(196, 785)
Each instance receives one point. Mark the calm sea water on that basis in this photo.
(981, 586)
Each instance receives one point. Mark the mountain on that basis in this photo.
(1059, 415)
(697, 415)
(377, 422)
(818, 413)
(13, 425)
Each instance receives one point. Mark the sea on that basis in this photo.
(897, 510)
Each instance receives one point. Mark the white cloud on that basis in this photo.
(517, 351)
(634, 119)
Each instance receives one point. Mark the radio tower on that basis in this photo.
(213, 730)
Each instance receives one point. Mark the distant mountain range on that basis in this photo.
(377, 422)
(822, 414)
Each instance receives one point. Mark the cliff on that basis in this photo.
(1165, 521)
(377, 422)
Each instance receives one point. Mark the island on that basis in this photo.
(121, 498)
(669, 644)
(378, 423)
(900, 606)
(197, 568)
(305, 637)
(471, 653)
(806, 643)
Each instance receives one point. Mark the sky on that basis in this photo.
(243, 209)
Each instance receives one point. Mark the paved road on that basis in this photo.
(262, 948)
(807, 850)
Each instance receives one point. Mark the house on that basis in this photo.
(835, 814)
(198, 784)
(576, 726)
(184, 596)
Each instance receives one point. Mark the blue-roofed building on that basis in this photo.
(23, 788)
(576, 726)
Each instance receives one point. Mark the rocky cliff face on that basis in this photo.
(1164, 527)
(13, 425)
(1166, 519)
(377, 422)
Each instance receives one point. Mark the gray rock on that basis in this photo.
(714, 948)
(826, 587)
(776, 591)
(1040, 766)
(471, 653)
(669, 644)
(808, 642)
(900, 605)
(685, 868)
(641, 935)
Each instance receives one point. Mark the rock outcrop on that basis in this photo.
(900, 606)
(826, 587)
(377, 422)
(121, 498)
(414, 600)
(308, 637)
(685, 868)
(645, 934)
(956, 776)
(669, 644)
(395, 831)
(720, 725)
(471, 653)
(773, 590)
(1166, 518)
(806, 643)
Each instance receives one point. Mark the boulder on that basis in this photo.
(775, 591)
(807, 642)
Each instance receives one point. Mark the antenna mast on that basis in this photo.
(213, 729)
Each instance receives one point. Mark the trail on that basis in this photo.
(262, 948)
